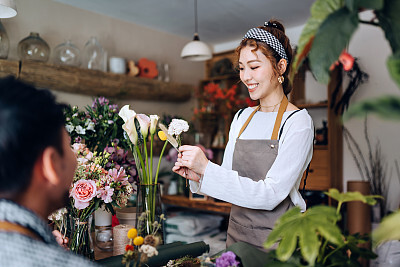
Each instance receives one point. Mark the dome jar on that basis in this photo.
(33, 48)
(94, 56)
(67, 54)
(4, 42)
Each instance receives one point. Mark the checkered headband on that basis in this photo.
(269, 39)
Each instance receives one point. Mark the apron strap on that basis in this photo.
(16, 228)
(248, 120)
(278, 119)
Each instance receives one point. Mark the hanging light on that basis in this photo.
(196, 50)
(8, 9)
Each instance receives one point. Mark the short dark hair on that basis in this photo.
(30, 121)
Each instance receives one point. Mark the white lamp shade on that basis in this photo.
(196, 51)
(8, 9)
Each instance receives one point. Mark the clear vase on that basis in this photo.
(149, 202)
(80, 241)
(94, 56)
(67, 54)
(4, 42)
(33, 48)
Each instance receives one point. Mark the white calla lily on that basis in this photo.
(130, 129)
(125, 113)
(153, 123)
(144, 122)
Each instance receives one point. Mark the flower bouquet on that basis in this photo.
(139, 128)
(93, 186)
(140, 249)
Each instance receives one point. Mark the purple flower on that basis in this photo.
(78, 139)
(101, 101)
(227, 259)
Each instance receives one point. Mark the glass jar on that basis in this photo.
(33, 48)
(4, 42)
(67, 54)
(94, 56)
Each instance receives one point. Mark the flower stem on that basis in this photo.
(147, 161)
(151, 155)
(141, 163)
(159, 161)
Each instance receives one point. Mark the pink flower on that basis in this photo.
(119, 175)
(347, 61)
(105, 194)
(83, 191)
(78, 147)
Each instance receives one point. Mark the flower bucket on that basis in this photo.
(149, 202)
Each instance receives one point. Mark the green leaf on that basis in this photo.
(330, 40)
(319, 11)
(352, 196)
(388, 229)
(393, 64)
(387, 107)
(389, 20)
(306, 227)
(369, 4)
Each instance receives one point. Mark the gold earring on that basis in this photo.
(281, 79)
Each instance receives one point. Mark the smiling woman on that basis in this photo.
(269, 146)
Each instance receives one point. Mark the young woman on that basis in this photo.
(269, 147)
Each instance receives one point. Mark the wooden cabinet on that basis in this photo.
(326, 165)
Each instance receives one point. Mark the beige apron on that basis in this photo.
(253, 159)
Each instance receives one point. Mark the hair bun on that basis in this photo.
(274, 24)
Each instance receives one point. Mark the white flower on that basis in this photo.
(90, 125)
(130, 129)
(57, 215)
(177, 126)
(153, 123)
(125, 113)
(150, 251)
(144, 122)
(70, 128)
(80, 130)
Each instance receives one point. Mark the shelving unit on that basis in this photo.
(94, 82)
(204, 205)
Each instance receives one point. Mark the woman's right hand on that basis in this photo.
(184, 171)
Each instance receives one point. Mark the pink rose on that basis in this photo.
(83, 191)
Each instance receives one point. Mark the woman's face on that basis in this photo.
(256, 73)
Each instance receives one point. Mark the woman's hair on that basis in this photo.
(276, 29)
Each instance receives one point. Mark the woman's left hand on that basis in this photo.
(193, 158)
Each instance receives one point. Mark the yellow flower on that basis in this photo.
(162, 136)
(132, 233)
(138, 241)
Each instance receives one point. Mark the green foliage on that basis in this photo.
(387, 107)
(393, 65)
(315, 238)
(388, 229)
(319, 11)
(334, 34)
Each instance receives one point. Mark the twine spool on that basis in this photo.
(120, 238)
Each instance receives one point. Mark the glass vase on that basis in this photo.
(4, 42)
(33, 48)
(149, 211)
(80, 241)
(67, 54)
(94, 57)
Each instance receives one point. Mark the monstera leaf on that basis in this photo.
(306, 228)
(319, 11)
(387, 107)
(388, 229)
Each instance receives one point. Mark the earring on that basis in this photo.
(281, 79)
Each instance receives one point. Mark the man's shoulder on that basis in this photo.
(18, 250)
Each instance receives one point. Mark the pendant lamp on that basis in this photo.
(196, 50)
(8, 9)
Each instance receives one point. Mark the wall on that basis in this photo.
(57, 23)
(370, 46)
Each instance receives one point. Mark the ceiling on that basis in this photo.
(219, 21)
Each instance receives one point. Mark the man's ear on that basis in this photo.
(51, 165)
(282, 65)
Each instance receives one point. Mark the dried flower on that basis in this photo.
(151, 240)
(132, 233)
(129, 248)
(138, 241)
(148, 250)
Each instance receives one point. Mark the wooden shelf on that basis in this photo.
(94, 83)
(206, 205)
(222, 77)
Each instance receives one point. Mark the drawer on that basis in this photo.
(318, 176)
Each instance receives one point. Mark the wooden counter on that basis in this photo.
(206, 205)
